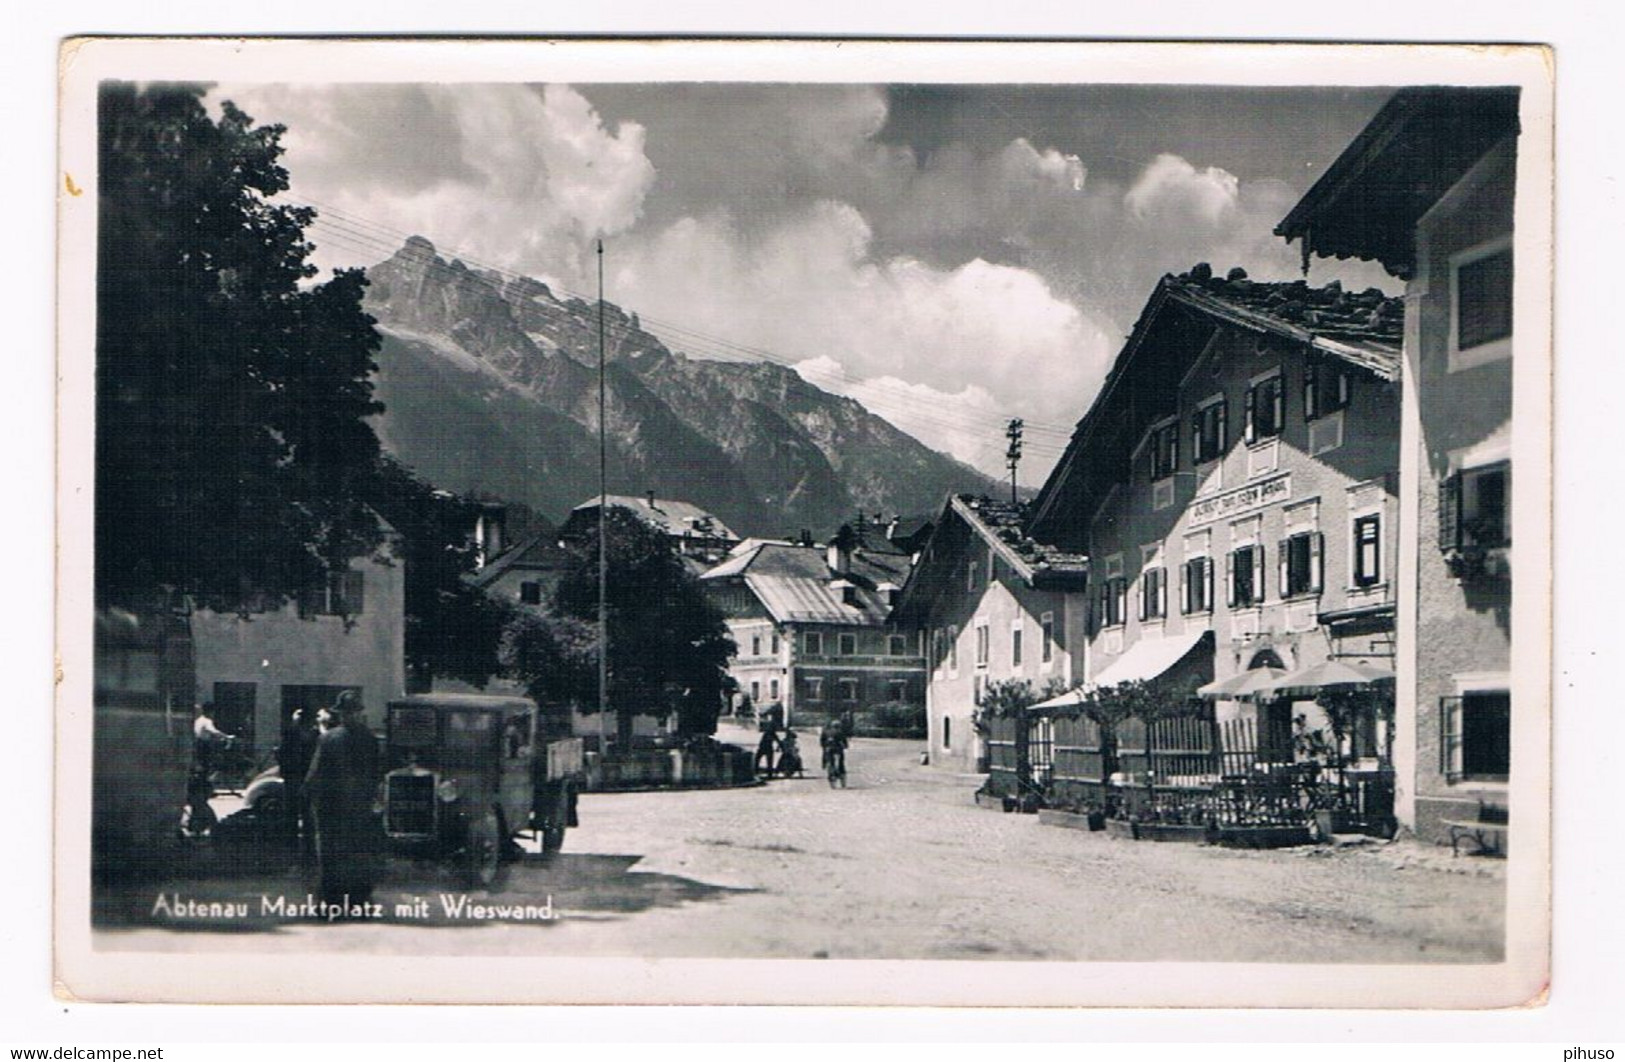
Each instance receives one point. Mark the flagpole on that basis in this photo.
(603, 516)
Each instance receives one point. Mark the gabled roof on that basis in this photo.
(1364, 329)
(795, 585)
(675, 518)
(998, 526)
(1424, 140)
(540, 552)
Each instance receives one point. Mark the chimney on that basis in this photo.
(649, 498)
(891, 528)
(838, 557)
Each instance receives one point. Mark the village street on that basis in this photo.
(899, 865)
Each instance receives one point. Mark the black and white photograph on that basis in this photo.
(804, 522)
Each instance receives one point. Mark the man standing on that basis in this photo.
(339, 789)
(293, 757)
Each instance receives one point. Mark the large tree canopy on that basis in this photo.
(668, 645)
(232, 442)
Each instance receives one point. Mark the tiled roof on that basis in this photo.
(1003, 526)
(1366, 328)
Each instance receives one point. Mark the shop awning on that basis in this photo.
(1148, 658)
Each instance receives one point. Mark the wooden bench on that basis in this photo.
(1488, 831)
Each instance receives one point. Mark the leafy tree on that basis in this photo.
(232, 442)
(453, 628)
(668, 645)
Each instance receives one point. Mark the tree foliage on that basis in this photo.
(668, 645)
(453, 628)
(232, 442)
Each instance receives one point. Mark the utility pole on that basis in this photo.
(1012, 455)
(603, 517)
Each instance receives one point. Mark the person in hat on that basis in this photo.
(339, 790)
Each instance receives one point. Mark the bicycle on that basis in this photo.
(835, 764)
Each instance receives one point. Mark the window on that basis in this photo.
(1476, 742)
(755, 693)
(756, 645)
(812, 643)
(340, 594)
(947, 733)
(1165, 450)
(1015, 645)
(1046, 628)
(1246, 577)
(897, 644)
(981, 645)
(1266, 409)
(1196, 586)
(814, 686)
(970, 577)
(1474, 510)
(953, 648)
(846, 644)
(773, 689)
(1327, 387)
(1112, 601)
(849, 689)
(898, 689)
(1368, 550)
(1209, 431)
(1300, 561)
(775, 649)
(1482, 290)
(530, 593)
(1153, 593)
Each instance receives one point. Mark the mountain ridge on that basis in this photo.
(490, 387)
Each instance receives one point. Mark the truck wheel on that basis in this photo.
(482, 854)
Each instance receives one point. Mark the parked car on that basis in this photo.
(466, 772)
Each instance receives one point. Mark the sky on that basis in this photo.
(952, 256)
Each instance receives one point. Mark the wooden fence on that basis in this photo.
(1191, 769)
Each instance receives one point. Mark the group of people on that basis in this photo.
(778, 752)
(330, 767)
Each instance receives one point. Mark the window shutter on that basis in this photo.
(1121, 611)
(1450, 512)
(354, 591)
(1207, 585)
(1278, 404)
(1450, 737)
(1311, 395)
(1231, 561)
(1345, 388)
(1224, 427)
(1317, 563)
(1250, 420)
(1185, 608)
(1198, 455)
(1283, 566)
(1145, 595)
(1258, 574)
(1162, 591)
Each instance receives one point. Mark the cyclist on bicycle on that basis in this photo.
(832, 739)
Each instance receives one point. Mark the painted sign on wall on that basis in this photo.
(1242, 500)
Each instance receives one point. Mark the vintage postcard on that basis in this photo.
(804, 522)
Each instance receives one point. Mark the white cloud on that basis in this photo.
(506, 174)
(966, 347)
(1172, 189)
